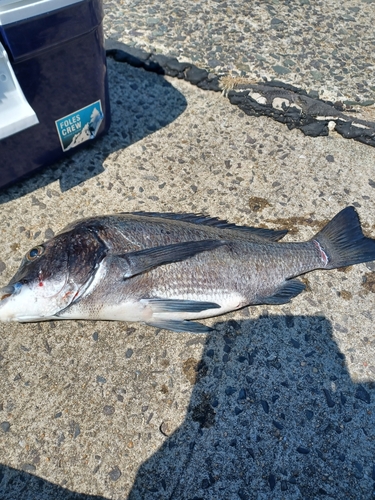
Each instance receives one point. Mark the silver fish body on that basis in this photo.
(168, 269)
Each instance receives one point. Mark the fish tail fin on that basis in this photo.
(342, 242)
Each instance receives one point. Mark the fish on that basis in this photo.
(168, 270)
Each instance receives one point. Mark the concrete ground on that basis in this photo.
(278, 402)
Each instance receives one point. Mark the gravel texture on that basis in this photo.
(322, 46)
(278, 402)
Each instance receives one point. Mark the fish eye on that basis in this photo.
(34, 253)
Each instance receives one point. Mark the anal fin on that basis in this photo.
(285, 293)
(179, 326)
(179, 305)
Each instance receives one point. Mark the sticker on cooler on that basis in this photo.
(80, 126)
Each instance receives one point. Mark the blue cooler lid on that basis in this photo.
(12, 11)
(26, 28)
(31, 26)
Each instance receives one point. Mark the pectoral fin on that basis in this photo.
(134, 263)
(180, 326)
(285, 293)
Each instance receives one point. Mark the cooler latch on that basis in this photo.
(16, 114)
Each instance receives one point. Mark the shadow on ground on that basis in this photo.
(20, 485)
(141, 103)
(273, 414)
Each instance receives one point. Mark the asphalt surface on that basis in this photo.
(278, 402)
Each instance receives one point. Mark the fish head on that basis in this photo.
(52, 276)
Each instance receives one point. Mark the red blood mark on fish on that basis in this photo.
(322, 253)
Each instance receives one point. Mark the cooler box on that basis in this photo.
(53, 82)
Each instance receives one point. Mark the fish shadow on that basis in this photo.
(141, 103)
(273, 414)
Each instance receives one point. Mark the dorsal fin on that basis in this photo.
(205, 220)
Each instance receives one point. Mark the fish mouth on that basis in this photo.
(9, 290)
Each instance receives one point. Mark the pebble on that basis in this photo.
(243, 495)
(229, 340)
(166, 428)
(275, 363)
(28, 467)
(278, 425)
(75, 430)
(280, 70)
(230, 390)
(295, 343)
(49, 233)
(309, 354)
(309, 414)
(115, 474)
(289, 320)
(60, 439)
(362, 394)
(329, 399)
(108, 410)
(232, 323)
(284, 485)
(242, 394)
(303, 450)
(129, 353)
(272, 481)
(5, 426)
(358, 470)
(265, 406)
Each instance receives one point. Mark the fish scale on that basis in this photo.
(167, 270)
